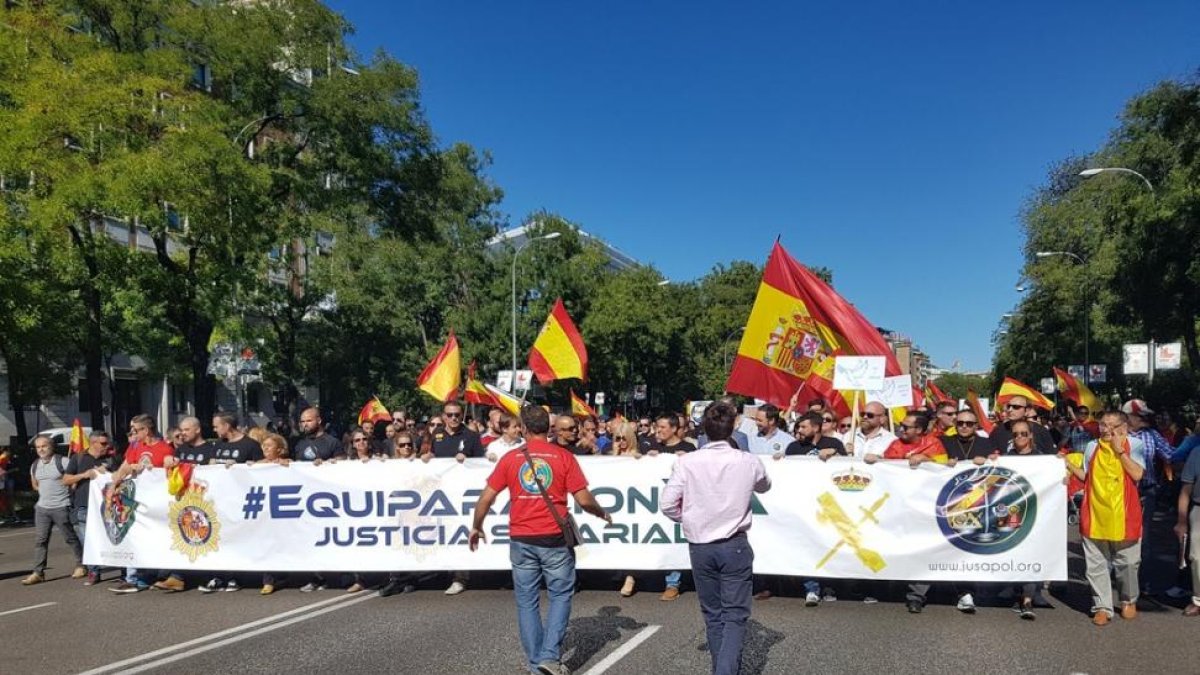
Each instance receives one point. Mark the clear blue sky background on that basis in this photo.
(893, 142)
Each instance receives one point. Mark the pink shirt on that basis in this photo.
(709, 491)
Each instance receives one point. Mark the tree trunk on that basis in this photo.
(93, 353)
(204, 386)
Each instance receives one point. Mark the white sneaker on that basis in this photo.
(212, 586)
(456, 588)
(231, 586)
(870, 600)
(812, 600)
(966, 604)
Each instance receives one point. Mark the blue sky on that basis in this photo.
(893, 142)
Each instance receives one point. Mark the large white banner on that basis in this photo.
(1004, 521)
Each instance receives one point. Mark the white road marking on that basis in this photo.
(18, 534)
(345, 600)
(26, 609)
(620, 652)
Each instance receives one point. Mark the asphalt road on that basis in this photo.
(62, 626)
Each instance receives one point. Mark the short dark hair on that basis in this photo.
(922, 420)
(227, 417)
(817, 401)
(771, 411)
(671, 419)
(814, 418)
(718, 421)
(535, 419)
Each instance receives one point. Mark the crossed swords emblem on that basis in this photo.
(832, 512)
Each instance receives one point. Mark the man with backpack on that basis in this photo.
(53, 508)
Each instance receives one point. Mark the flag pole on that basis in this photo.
(854, 418)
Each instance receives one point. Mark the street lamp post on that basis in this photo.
(517, 252)
(725, 349)
(1087, 313)
(1088, 173)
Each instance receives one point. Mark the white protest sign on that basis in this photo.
(504, 380)
(895, 393)
(1168, 356)
(1136, 359)
(858, 372)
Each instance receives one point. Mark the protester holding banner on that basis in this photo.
(967, 442)
(1022, 446)
(709, 493)
(1111, 516)
(1017, 409)
(811, 441)
(81, 469)
(766, 431)
(872, 437)
(913, 445)
(538, 480)
(146, 450)
(509, 438)
(314, 444)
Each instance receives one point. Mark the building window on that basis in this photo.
(201, 77)
(324, 243)
(179, 399)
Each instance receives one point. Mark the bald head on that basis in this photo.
(874, 416)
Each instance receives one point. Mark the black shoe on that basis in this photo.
(389, 589)
(915, 606)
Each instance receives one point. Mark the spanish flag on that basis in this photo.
(935, 396)
(504, 400)
(476, 392)
(1111, 509)
(1012, 388)
(77, 443)
(796, 328)
(579, 407)
(976, 407)
(558, 352)
(1074, 390)
(441, 377)
(373, 411)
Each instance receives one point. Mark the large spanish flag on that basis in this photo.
(796, 328)
(78, 442)
(558, 352)
(476, 392)
(1012, 388)
(1111, 509)
(1074, 390)
(373, 412)
(441, 377)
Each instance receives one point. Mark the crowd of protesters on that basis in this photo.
(1128, 463)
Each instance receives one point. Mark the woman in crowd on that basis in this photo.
(1022, 445)
(275, 451)
(510, 438)
(625, 444)
(403, 445)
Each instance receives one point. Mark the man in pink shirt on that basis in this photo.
(709, 492)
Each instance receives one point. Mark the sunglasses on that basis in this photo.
(843, 426)
(828, 420)
(455, 415)
(436, 425)
(101, 443)
(1013, 406)
(404, 445)
(906, 427)
(568, 428)
(965, 423)
(1023, 434)
(360, 440)
(871, 415)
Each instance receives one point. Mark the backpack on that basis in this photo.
(58, 464)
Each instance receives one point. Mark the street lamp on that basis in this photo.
(725, 349)
(517, 252)
(1087, 313)
(1088, 173)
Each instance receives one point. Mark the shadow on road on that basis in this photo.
(588, 635)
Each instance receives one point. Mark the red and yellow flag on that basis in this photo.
(976, 407)
(796, 328)
(1012, 388)
(475, 392)
(373, 412)
(78, 442)
(558, 353)
(935, 396)
(504, 399)
(1074, 390)
(579, 407)
(441, 377)
(1111, 509)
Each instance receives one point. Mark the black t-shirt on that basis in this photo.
(83, 462)
(446, 444)
(814, 449)
(645, 443)
(323, 447)
(1043, 443)
(243, 450)
(194, 454)
(965, 448)
(681, 446)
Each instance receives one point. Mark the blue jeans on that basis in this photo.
(530, 566)
(722, 572)
(673, 579)
(79, 516)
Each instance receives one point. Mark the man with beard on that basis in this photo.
(872, 437)
(314, 444)
(810, 440)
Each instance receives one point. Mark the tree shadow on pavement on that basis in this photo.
(588, 635)
(756, 648)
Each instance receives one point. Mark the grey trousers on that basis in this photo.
(1125, 557)
(44, 521)
(1194, 552)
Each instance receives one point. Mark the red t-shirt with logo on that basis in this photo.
(560, 474)
(149, 454)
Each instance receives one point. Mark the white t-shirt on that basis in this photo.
(765, 445)
(500, 446)
(875, 445)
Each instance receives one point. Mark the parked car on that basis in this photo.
(61, 436)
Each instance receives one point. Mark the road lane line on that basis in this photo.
(26, 609)
(213, 636)
(246, 636)
(622, 651)
(18, 534)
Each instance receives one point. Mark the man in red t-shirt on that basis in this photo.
(913, 443)
(537, 548)
(147, 450)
